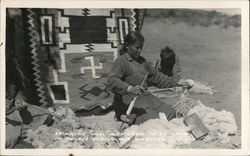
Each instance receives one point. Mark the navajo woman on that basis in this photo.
(126, 80)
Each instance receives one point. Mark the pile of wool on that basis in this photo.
(102, 122)
(161, 133)
(69, 131)
(42, 137)
(221, 124)
(158, 133)
(62, 112)
(183, 106)
(202, 88)
(49, 137)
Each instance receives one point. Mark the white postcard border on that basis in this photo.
(245, 118)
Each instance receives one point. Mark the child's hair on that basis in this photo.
(167, 61)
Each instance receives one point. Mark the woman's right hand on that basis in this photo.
(136, 90)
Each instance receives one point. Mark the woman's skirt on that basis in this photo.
(148, 106)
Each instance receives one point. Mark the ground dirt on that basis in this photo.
(208, 54)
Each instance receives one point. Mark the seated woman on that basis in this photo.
(126, 77)
(169, 64)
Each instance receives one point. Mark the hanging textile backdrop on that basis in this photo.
(71, 53)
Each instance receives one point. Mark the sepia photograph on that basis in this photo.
(144, 78)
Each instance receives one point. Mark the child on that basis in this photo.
(169, 64)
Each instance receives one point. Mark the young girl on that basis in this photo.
(170, 65)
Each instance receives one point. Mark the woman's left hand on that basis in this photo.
(136, 90)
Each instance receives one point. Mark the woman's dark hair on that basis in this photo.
(167, 61)
(132, 38)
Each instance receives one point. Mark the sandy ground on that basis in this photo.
(211, 55)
